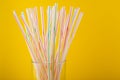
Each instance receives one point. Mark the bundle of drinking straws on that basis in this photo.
(49, 48)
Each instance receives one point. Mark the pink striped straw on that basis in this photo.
(22, 30)
(74, 31)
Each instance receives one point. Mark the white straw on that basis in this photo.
(73, 21)
(26, 25)
(22, 30)
(43, 26)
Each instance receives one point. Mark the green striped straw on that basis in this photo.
(48, 42)
(54, 33)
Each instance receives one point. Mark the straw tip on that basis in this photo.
(78, 8)
(56, 4)
(82, 13)
(14, 12)
(22, 12)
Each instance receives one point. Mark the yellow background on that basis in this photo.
(93, 55)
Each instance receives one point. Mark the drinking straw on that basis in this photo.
(67, 28)
(62, 26)
(38, 35)
(39, 75)
(50, 17)
(53, 38)
(71, 25)
(57, 22)
(68, 45)
(36, 17)
(22, 30)
(73, 21)
(35, 28)
(42, 22)
(38, 52)
(20, 25)
(73, 34)
(26, 39)
(52, 27)
(36, 31)
(30, 22)
(37, 68)
(48, 42)
(57, 59)
(62, 16)
(66, 34)
(43, 48)
(33, 22)
(61, 33)
(27, 27)
(52, 41)
(29, 18)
